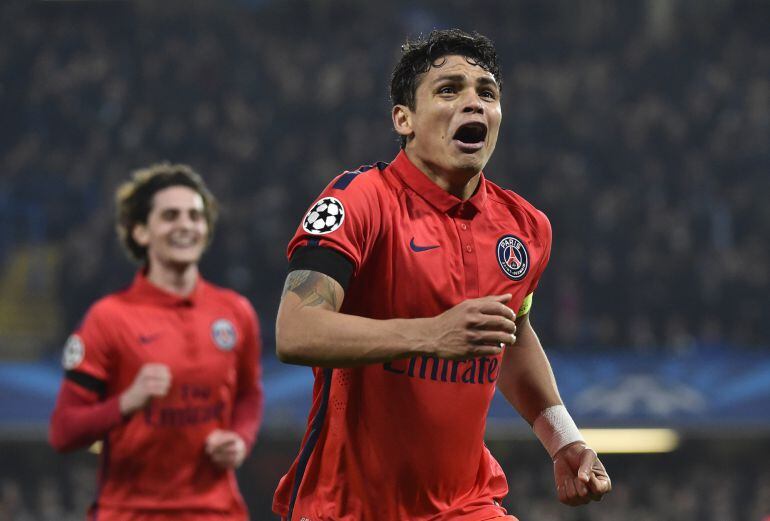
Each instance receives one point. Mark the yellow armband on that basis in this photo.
(526, 305)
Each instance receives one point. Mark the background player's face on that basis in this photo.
(176, 232)
(456, 118)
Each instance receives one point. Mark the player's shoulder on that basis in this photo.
(366, 179)
(226, 297)
(509, 201)
(110, 304)
(105, 311)
(363, 192)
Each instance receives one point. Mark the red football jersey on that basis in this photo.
(155, 458)
(405, 439)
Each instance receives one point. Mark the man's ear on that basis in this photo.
(402, 120)
(141, 235)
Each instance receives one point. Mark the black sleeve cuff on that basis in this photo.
(87, 381)
(323, 260)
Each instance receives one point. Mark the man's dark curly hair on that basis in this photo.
(134, 198)
(420, 55)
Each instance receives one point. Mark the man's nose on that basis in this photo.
(184, 221)
(472, 103)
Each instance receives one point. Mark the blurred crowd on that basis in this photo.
(711, 481)
(642, 129)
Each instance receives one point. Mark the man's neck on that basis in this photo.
(177, 280)
(461, 184)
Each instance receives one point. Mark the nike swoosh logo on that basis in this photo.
(146, 339)
(420, 248)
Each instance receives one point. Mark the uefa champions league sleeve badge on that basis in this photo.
(74, 352)
(324, 217)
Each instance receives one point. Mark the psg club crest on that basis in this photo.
(512, 257)
(223, 333)
(324, 217)
(73, 354)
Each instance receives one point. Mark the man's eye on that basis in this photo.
(446, 90)
(169, 215)
(196, 215)
(488, 94)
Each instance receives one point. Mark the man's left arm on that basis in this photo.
(228, 448)
(527, 382)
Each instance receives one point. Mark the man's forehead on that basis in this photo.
(177, 196)
(456, 64)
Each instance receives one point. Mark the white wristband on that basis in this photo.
(555, 429)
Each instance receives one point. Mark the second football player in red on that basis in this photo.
(166, 372)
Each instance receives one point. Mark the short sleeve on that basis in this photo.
(344, 218)
(545, 236)
(86, 357)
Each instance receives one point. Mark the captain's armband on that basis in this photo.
(526, 305)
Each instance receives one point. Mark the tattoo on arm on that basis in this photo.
(313, 288)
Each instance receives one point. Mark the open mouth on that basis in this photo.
(471, 134)
(183, 242)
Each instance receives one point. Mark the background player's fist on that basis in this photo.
(225, 448)
(151, 380)
(472, 328)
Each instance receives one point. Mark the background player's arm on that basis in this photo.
(249, 399)
(81, 416)
(527, 382)
(228, 448)
(310, 330)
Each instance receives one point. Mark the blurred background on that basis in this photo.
(641, 128)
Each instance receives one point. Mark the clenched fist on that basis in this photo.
(579, 475)
(475, 327)
(225, 448)
(151, 380)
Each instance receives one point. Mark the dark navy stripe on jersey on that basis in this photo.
(344, 180)
(347, 178)
(315, 431)
(381, 165)
(87, 381)
(313, 242)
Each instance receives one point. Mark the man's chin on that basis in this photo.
(182, 262)
(470, 164)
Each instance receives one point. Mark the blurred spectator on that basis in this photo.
(642, 129)
(12, 507)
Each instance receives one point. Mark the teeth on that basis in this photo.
(182, 243)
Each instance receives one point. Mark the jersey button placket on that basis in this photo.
(185, 311)
(463, 220)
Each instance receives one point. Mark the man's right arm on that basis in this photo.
(81, 415)
(310, 330)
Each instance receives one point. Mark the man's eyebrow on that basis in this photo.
(457, 78)
(450, 77)
(486, 80)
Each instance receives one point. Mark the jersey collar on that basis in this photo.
(146, 291)
(431, 192)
